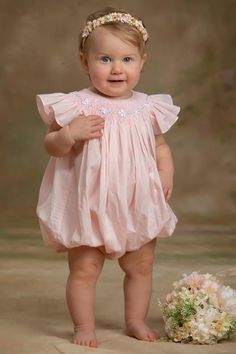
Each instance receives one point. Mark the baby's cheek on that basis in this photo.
(97, 77)
(134, 79)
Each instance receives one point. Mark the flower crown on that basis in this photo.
(115, 17)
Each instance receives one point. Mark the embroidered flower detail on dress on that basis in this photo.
(103, 111)
(85, 101)
(122, 113)
(139, 110)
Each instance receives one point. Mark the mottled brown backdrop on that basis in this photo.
(192, 55)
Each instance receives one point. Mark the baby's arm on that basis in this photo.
(165, 165)
(59, 141)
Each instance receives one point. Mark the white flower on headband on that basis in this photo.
(115, 17)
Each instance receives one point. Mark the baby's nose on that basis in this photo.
(116, 68)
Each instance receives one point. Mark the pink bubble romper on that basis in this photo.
(108, 193)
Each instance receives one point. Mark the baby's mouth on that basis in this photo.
(116, 81)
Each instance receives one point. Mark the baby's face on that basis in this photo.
(113, 65)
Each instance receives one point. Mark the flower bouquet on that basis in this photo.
(199, 310)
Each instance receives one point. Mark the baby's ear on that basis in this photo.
(144, 58)
(84, 61)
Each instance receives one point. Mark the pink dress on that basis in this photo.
(109, 192)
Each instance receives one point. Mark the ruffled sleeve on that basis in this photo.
(59, 106)
(163, 112)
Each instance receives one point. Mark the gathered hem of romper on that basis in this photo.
(55, 241)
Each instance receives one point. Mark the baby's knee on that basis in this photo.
(87, 270)
(142, 267)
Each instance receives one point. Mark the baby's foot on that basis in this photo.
(140, 330)
(85, 336)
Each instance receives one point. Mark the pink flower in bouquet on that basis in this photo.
(195, 280)
(210, 286)
(169, 297)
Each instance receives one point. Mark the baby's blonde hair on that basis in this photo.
(123, 30)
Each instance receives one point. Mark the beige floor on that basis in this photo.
(34, 317)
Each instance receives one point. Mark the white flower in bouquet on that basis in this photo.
(227, 299)
(199, 310)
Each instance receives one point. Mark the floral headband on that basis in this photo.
(115, 17)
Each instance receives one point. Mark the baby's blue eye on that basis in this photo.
(105, 59)
(127, 59)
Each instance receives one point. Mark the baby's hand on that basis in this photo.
(86, 127)
(167, 183)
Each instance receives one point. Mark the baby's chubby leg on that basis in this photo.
(138, 266)
(85, 264)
